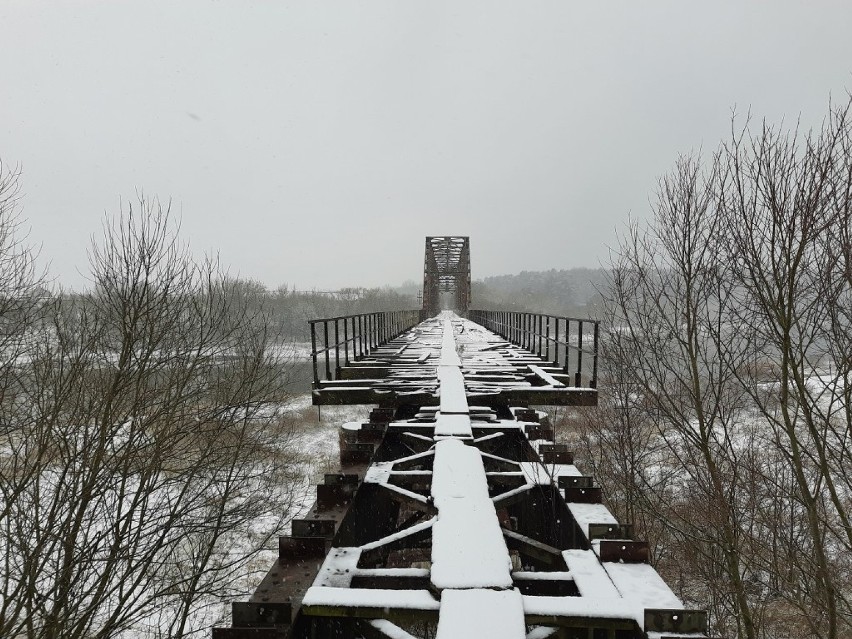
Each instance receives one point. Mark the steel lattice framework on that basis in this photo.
(446, 269)
(455, 513)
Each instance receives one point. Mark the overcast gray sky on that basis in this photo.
(318, 143)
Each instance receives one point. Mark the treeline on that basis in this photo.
(291, 309)
(571, 292)
(725, 426)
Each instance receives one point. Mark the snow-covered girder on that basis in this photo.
(455, 514)
(508, 359)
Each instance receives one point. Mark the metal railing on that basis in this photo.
(567, 342)
(341, 340)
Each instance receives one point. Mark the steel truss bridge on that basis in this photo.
(455, 514)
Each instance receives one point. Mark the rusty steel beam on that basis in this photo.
(361, 562)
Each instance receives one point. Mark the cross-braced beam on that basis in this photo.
(446, 269)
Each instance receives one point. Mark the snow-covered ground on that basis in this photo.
(315, 440)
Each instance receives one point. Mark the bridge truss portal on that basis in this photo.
(446, 270)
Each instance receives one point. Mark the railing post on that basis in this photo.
(567, 364)
(521, 329)
(336, 349)
(547, 339)
(578, 378)
(326, 349)
(530, 332)
(314, 352)
(594, 382)
(345, 342)
(538, 332)
(365, 326)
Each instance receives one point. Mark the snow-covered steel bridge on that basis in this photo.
(455, 514)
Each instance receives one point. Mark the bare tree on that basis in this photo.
(729, 321)
(668, 298)
(150, 461)
(785, 202)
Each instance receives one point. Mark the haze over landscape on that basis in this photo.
(316, 144)
(610, 396)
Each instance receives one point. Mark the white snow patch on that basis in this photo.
(589, 575)
(641, 583)
(389, 629)
(468, 548)
(378, 473)
(541, 632)
(453, 426)
(452, 395)
(538, 473)
(604, 608)
(496, 614)
(338, 568)
(370, 598)
(585, 514)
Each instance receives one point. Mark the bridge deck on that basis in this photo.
(456, 514)
(408, 369)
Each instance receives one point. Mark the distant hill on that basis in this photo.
(572, 292)
(559, 292)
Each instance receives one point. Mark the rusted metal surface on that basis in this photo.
(368, 554)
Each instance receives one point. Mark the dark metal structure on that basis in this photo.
(453, 461)
(455, 513)
(344, 339)
(568, 342)
(352, 365)
(446, 269)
